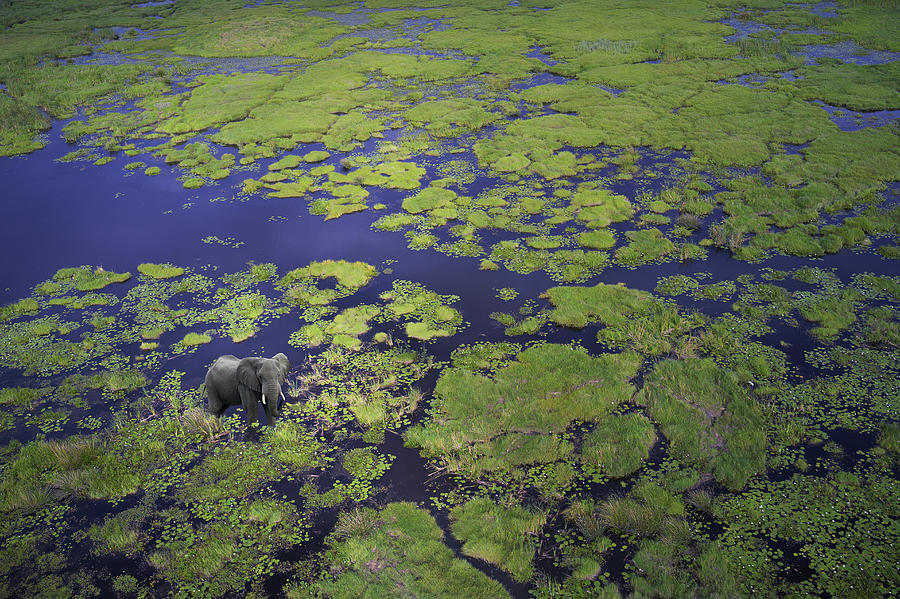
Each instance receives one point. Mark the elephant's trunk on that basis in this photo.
(270, 392)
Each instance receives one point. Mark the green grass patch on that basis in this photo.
(545, 389)
(195, 339)
(502, 536)
(160, 271)
(609, 304)
(374, 553)
(619, 444)
(708, 418)
(86, 279)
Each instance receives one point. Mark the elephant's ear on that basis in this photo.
(246, 374)
(283, 363)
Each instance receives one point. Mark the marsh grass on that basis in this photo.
(701, 499)
(584, 514)
(192, 339)
(512, 415)
(631, 517)
(160, 271)
(198, 421)
(85, 279)
(73, 453)
(545, 389)
(375, 553)
(20, 308)
(619, 444)
(889, 438)
(605, 45)
(503, 536)
(751, 47)
(21, 396)
(296, 387)
(114, 535)
(75, 466)
(357, 522)
(708, 418)
(653, 333)
(609, 304)
(293, 445)
(413, 398)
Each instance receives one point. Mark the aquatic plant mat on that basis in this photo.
(581, 299)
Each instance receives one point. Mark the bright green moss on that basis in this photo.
(443, 116)
(286, 162)
(394, 222)
(352, 275)
(544, 243)
(353, 321)
(859, 87)
(316, 156)
(391, 175)
(291, 121)
(598, 208)
(219, 99)
(274, 32)
(645, 245)
(514, 163)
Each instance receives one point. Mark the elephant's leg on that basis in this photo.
(216, 405)
(250, 401)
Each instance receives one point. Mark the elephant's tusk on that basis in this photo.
(264, 398)
(282, 397)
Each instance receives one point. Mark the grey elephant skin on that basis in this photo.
(231, 381)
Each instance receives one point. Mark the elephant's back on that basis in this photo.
(223, 369)
(226, 361)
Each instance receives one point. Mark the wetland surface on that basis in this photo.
(581, 299)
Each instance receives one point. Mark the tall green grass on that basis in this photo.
(503, 536)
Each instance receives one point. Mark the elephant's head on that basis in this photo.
(265, 375)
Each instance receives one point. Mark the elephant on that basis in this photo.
(231, 381)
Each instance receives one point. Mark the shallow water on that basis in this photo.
(848, 51)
